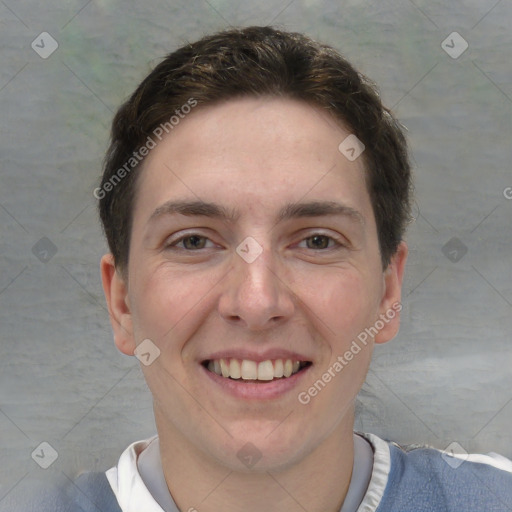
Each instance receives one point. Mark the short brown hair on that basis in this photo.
(258, 61)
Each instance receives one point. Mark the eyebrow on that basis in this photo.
(289, 211)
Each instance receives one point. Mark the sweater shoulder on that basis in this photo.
(426, 479)
(89, 492)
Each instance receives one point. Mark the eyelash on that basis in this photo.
(173, 245)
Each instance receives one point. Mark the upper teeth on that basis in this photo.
(251, 370)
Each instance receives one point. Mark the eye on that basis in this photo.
(321, 241)
(190, 242)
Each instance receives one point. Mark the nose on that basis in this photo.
(257, 293)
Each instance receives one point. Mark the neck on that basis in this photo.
(317, 483)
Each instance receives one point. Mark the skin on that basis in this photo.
(301, 293)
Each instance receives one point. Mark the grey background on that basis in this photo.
(445, 378)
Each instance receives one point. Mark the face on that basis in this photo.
(254, 242)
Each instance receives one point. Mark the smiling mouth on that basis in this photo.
(247, 370)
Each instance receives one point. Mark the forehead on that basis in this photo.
(252, 153)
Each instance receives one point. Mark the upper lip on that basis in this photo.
(258, 357)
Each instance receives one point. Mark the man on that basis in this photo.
(254, 198)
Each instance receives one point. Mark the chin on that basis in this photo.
(260, 447)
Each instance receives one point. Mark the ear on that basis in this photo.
(116, 295)
(391, 305)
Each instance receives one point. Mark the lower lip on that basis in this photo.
(263, 390)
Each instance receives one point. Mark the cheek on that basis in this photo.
(344, 307)
(343, 299)
(167, 302)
